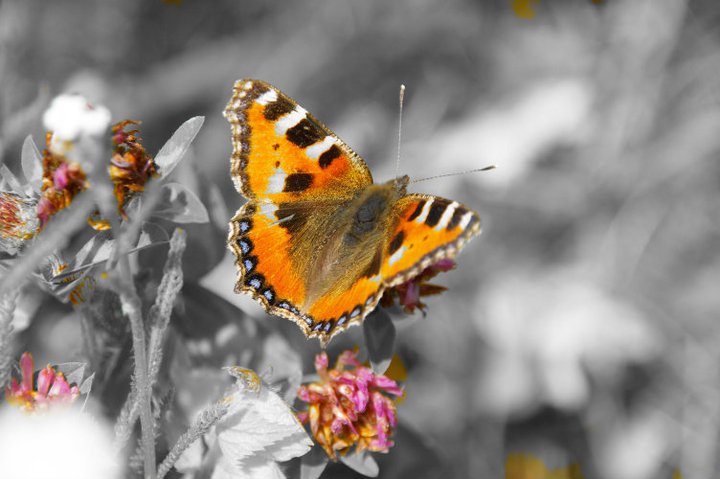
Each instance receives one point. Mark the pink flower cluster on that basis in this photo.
(408, 294)
(349, 407)
(51, 388)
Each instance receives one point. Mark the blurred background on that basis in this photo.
(582, 325)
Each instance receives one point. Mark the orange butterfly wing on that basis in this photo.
(428, 229)
(290, 167)
(281, 153)
(297, 175)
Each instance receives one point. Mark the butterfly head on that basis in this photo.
(400, 184)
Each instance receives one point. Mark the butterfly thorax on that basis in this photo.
(356, 247)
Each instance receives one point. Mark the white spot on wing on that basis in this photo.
(466, 220)
(397, 255)
(289, 120)
(276, 182)
(269, 209)
(315, 150)
(447, 214)
(425, 211)
(269, 96)
(375, 279)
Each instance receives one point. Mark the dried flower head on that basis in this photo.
(408, 294)
(51, 387)
(350, 407)
(62, 181)
(18, 221)
(130, 167)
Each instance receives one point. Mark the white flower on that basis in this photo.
(72, 117)
(58, 444)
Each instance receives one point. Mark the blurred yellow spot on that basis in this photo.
(676, 474)
(104, 275)
(396, 371)
(524, 8)
(525, 466)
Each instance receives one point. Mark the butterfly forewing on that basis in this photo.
(282, 153)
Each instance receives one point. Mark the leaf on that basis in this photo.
(362, 463)
(99, 248)
(31, 161)
(73, 372)
(174, 149)
(258, 431)
(180, 205)
(9, 177)
(379, 333)
(313, 463)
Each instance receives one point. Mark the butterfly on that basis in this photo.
(318, 242)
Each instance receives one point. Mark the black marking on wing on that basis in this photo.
(396, 242)
(456, 217)
(436, 211)
(417, 211)
(297, 182)
(328, 156)
(280, 107)
(305, 133)
(289, 218)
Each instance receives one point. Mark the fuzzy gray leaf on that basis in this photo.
(31, 161)
(379, 334)
(362, 463)
(174, 149)
(180, 205)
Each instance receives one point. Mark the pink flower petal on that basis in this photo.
(60, 176)
(321, 362)
(412, 294)
(60, 386)
(26, 368)
(45, 379)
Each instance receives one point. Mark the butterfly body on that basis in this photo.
(318, 242)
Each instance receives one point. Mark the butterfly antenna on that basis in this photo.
(487, 168)
(397, 161)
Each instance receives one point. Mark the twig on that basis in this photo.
(7, 308)
(168, 290)
(132, 307)
(201, 426)
(159, 317)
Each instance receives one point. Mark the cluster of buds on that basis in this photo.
(350, 407)
(408, 294)
(51, 388)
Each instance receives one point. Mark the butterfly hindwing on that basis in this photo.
(282, 153)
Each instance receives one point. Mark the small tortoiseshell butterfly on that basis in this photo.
(318, 242)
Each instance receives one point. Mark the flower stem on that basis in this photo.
(132, 307)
